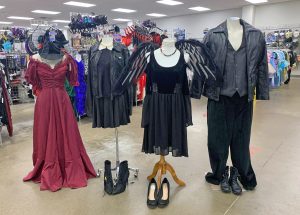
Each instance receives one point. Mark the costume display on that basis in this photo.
(80, 90)
(167, 106)
(105, 66)
(230, 108)
(59, 156)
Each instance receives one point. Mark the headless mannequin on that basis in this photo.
(107, 42)
(167, 48)
(51, 63)
(235, 32)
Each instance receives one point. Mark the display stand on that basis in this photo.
(134, 170)
(161, 169)
(116, 168)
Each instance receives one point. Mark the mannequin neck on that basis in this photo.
(107, 43)
(234, 23)
(168, 46)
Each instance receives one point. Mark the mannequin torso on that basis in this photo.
(51, 63)
(168, 55)
(235, 32)
(106, 43)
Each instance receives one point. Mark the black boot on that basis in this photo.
(224, 184)
(108, 182)
(122, 178)
(233, 181)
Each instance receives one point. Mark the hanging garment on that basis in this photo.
(105, 66)
(167, 109)
(5, 113)
(80, 90)
(59, 156)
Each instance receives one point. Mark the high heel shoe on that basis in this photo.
(152, 194)
(123, 176)
(164, 194)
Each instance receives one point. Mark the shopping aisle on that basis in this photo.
(275, 151)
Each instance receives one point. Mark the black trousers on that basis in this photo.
(229, 127)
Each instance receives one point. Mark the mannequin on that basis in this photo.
(51, 63)
(167, 56)
(55, 145)
(235, 32)
(107, 42)
(239, 51)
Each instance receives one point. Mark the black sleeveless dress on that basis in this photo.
(167, 109)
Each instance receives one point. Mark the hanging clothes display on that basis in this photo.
(105, 66)
(80, 90)
(5, 113)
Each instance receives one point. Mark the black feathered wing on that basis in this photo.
(201, 63)
(135, 67)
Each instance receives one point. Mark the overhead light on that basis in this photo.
(38, 25)
(169, 2)
(79, 4)
(257, 1)
(61, 21)
(2, 30)
(123, 10)
(122, 20)
(6, 23)
(1, 7)
(156, 14)
(19, 17)
(199, 8)
(46, 12)
(66, 26)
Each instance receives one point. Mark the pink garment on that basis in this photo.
(59, 156)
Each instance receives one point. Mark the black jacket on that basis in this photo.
(257, 65)
(119, 58)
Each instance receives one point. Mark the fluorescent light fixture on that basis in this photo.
(2, 30)
(6, 23)
(46, 12)
(38, 24)
(257, 1)
(19, 17)
(61, 21)
(66, 26)
(199, 8)
(1, 7)
(123, 10)
(169, 2)
(79, 4)
(122, 20)
(156, 14)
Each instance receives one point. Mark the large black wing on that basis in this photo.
(201, 63)
(135, 67)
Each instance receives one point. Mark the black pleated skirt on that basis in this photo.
(111, 112)
(165, 120)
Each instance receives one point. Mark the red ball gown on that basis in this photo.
(59, 157)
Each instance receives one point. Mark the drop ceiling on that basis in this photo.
(24, 7)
